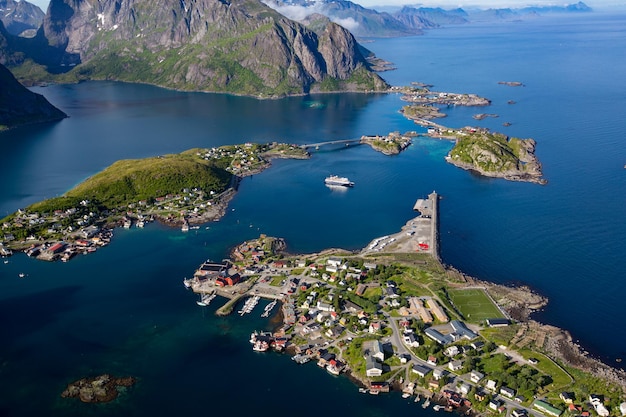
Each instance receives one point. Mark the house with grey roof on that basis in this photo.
(438, 337)
(421, 370)
(374, 349)
(461, 330)
(373, 367)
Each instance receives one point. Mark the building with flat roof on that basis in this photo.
(498, 322)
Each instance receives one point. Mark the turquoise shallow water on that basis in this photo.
(124, 310)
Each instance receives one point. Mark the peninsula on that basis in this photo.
(392, 317)
(192, 187)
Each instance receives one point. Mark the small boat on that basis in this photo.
(260, 346)
(362, 390)
(437, 407)
(417, 398)
(268, 309)
(205, 300)
(21, 275)
(426, 403)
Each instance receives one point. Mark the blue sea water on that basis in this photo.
(123, 310)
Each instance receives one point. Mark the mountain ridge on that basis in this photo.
(20, 106)
(238, 47)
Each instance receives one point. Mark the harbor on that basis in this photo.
(359, 313)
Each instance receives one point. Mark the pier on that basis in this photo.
(419, 234)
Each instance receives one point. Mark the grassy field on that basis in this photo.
(474, 304)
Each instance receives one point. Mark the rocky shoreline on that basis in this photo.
(512, 175)
(520, 302)
(492, 150)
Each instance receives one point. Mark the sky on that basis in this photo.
(450, 4)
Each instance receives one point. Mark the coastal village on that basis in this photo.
(390, 316)
(61, 234)
(393, 321)
(53, 233)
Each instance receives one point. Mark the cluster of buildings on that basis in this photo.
(323, 304)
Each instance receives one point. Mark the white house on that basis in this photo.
(334, 261)
(374, 327)
(491, 384)
(455, 365)
(622, 408)
(325, 306)
(495, 404)
(507, 392)
(476, 376)
(410, 340)
(452, 351)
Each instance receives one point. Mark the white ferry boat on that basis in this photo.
(335, 180)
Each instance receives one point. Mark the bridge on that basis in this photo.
(330, 142)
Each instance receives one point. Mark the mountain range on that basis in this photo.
(234, 46)
(393, 21)
(237, 46)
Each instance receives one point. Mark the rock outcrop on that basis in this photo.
(19, 106)
(238, 46)
(99, 389)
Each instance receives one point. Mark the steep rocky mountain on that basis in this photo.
(19, 106)
(19, 16)
(237, 46)
(361, 21)
(427, 17)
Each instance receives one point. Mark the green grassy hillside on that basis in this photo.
(142, 179)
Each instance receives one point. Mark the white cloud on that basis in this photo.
(297, 13)
(293, 12)
(348, 23)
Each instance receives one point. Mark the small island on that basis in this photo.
(477, 149)
(511, 83)
(393, 318)
(421, 94)
(496, 155)
(392, 144)
(481, 116)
